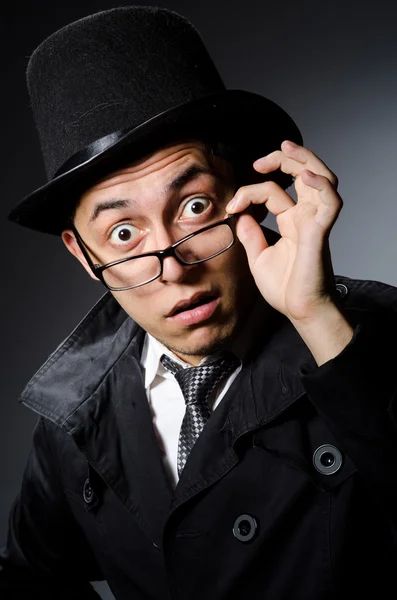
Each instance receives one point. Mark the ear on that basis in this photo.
(69, 239)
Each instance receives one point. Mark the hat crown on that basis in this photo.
(114, 70)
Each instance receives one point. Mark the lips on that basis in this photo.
(191, 303)
(194, 312)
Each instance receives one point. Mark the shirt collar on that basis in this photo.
(150, 359)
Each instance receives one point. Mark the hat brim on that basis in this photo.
(246, 120)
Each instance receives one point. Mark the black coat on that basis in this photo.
(289, 493)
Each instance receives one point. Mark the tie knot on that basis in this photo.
(198, 383)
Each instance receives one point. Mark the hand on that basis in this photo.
(294, 275)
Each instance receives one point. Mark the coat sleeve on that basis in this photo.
(356, 395)
(46, 555)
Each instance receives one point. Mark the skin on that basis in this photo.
(294, 275)
(164, 216)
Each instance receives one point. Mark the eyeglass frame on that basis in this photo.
(97, 269)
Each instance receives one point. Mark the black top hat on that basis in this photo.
(120, 83)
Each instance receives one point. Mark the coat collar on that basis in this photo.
(68, 384)
(75, 370)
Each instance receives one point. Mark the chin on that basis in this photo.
(201, 343)
(204, 350)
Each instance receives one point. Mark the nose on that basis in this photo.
(173, 271)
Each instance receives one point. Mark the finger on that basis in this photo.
(322, 184)
(309, 159)
(291, 159)
(268, 193)
(299, 153)
(277, 160)
(252, 237)
(330, 203)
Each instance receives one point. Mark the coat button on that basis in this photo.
(341, 289)
(327, 459)
(88, 492)
(245, 528)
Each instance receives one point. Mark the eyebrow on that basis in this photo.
(176, 184)
(108, 205)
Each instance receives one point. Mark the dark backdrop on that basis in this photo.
(331, 65)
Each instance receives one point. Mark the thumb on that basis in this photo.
(251, 235)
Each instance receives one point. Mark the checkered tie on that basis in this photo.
(197, 385)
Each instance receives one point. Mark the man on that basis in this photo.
(279, 481)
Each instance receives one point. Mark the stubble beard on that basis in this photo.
(203, 350)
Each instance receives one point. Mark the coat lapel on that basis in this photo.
(121, 446)
(92, 387)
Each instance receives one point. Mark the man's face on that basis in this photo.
(150, 205)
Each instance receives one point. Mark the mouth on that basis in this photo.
(193, 302)
(195, 309)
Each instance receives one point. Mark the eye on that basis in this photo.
(195, 207)
(124, 234)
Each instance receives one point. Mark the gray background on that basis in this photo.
(332, 66)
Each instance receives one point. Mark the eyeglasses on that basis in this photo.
(134, 271)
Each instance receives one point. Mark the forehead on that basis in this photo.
(153, 174)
